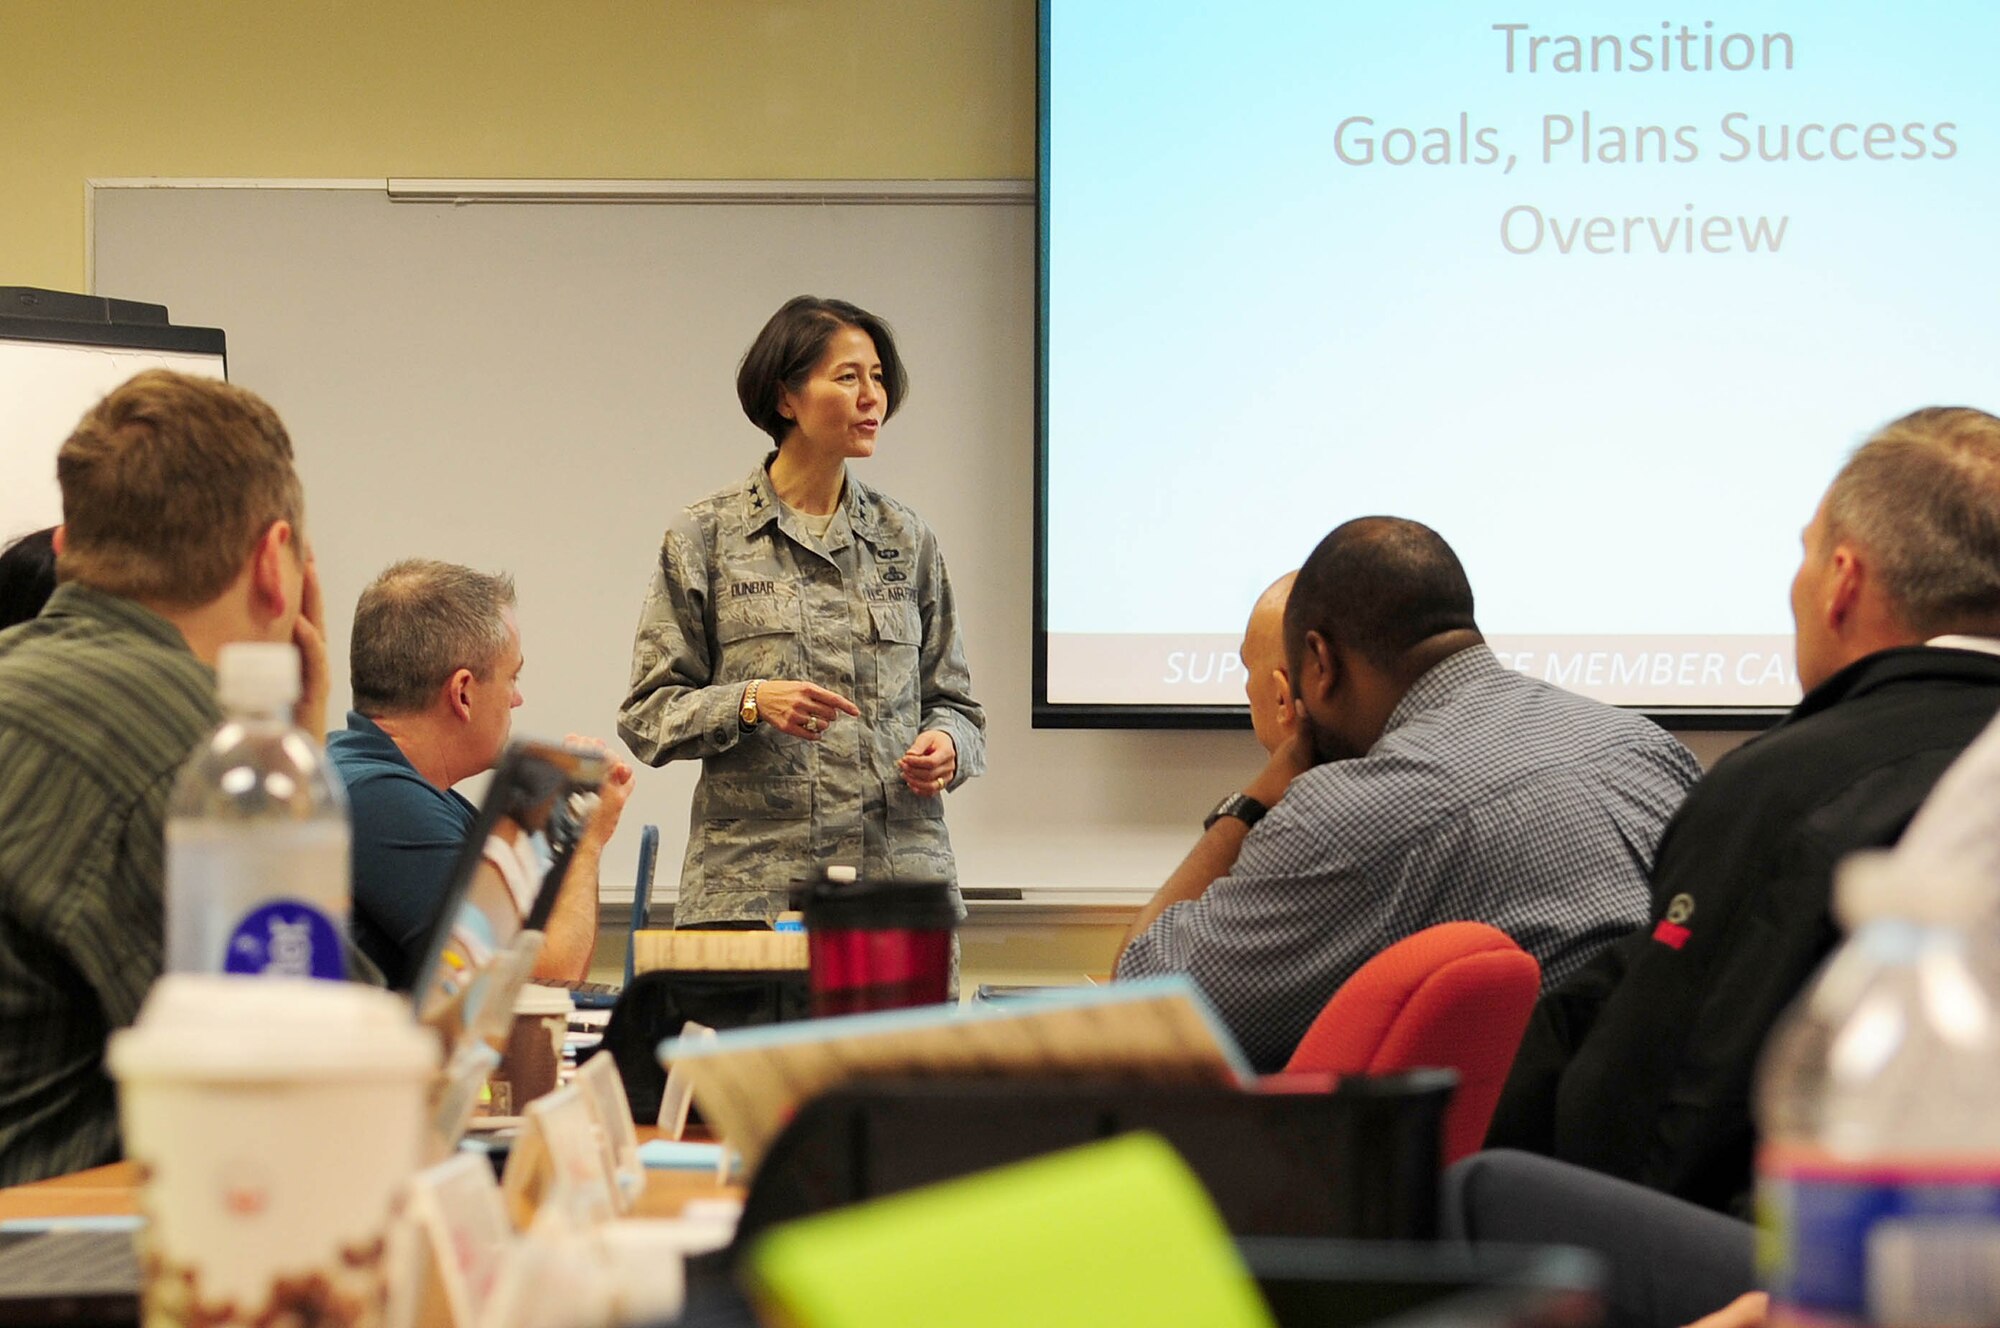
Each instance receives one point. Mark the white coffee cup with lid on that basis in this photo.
(274, 1121)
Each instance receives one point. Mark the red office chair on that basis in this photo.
(1456, 995)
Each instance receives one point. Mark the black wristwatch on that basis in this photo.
(1240, 805)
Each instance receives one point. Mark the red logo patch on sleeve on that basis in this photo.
(1671, 934)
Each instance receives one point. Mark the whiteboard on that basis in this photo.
(47, 386)
(539, 386)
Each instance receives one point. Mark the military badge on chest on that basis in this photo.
(891, 575)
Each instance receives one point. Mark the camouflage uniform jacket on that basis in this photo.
(743, 590)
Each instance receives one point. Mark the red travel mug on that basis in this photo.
(879, 945)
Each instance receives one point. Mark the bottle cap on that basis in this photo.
(1877, 883)
(257, 676)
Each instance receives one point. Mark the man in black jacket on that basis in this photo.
(1641, 1064)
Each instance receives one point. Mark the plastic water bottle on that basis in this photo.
(1878, 1191)
(257, 835)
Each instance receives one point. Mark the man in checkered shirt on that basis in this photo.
(1423, 782)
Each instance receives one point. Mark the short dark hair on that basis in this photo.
(1379, 585)
(792, 342)
(1923, 496)
(27, 576)
(167, 486)
(416, 625)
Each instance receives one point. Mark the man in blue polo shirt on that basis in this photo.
(435, 666)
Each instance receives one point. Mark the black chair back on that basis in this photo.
(1359, 1161)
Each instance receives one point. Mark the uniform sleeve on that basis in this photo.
(1268, 944)
(947, 681)
(672, 713)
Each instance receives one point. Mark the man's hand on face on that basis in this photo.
(1291, 722)
(1295, 756)
(309, 635)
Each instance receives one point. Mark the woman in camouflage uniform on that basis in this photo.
(800, 638)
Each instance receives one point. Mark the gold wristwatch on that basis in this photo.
(746, 715)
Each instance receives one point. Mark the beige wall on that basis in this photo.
(644, 89)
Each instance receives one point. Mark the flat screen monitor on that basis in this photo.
(1601, 293)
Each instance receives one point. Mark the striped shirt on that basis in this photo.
(1491, 797)
(100, 703)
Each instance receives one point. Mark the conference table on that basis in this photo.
(1513, 1285)
(113, 1191)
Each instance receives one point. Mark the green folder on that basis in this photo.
(1116, 1232)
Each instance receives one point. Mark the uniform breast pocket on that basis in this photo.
(899, 637)
(757, 637)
